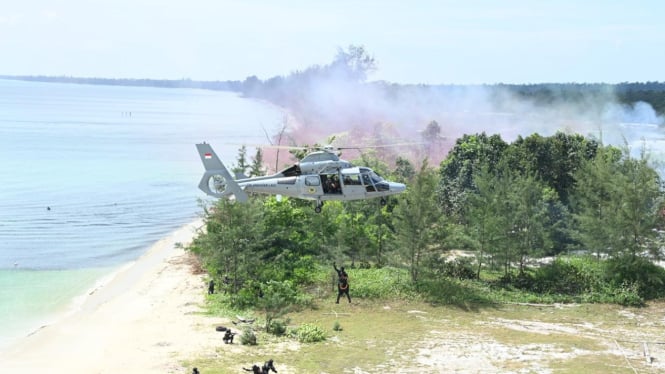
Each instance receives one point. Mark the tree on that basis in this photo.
(353, 64)
(487, 223)
(552, 159)
(431, 137)
(231, 241)
(278, 298)
(416, 219)
(257, 168)
(593, 202)
(621, 212)
(404, 170)
(641, 200)
(457, 170)
(241, 167)
(530, 233)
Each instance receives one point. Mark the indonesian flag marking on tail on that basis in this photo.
(208, 156)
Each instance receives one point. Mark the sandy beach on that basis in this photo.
(144, 319)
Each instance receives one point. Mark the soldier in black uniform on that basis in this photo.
(268, 366)
(342, 283)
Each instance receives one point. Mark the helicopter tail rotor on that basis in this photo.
(217, 181)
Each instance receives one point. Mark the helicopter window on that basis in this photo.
(289, 180)
(366, 172)
(353, 179)
(376, 178)
(312, 181)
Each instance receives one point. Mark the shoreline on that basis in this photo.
(143, 317)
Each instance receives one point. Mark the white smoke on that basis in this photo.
(383, 113)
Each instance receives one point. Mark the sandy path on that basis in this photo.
(144, 320)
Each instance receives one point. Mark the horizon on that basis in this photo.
(435, 43)
(63, 78)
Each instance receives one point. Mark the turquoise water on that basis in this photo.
(91, 176)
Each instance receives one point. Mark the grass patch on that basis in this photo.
(377, 334)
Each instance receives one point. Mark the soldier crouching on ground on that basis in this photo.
(228, 337)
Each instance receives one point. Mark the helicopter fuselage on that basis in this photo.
(353, 183)
(321, 176)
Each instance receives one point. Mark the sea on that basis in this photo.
(91, 176)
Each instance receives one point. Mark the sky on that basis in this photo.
(413, 42)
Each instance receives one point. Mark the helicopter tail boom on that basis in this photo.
(214, 168)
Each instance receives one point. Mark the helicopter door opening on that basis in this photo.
(331, 184)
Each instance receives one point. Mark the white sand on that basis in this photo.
(144, 320)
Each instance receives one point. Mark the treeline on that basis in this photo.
(652, 93)
(162, 83)
(509, 204)
(351, 68)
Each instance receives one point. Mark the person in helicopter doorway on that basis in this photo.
(342, 283)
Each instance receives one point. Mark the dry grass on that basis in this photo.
(400, 337)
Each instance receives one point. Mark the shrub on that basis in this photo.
(628, 295)
(277, 327)
(380, 283)
(337, 326)
(457, 268)
(523, 280)
(560, 277)
(309, 333)
(248, 337)
(639, 272)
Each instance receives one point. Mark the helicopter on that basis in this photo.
(320, 176)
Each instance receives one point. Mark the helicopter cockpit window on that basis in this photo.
(369, 174)
(312, 181)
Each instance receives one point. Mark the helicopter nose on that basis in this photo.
(397, 187)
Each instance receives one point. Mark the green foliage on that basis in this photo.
(470, 154)
(337, 326)
(624, 281)
(628, 294)
(278, 298)
(418, 221)
(508, 203)
(243, 165)
(277, 327)
(245, 298)
(616, 204)
(636, 274)
(458, 268)
(568, 277)
(383, 283)
(248, 337)
(309, 333)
